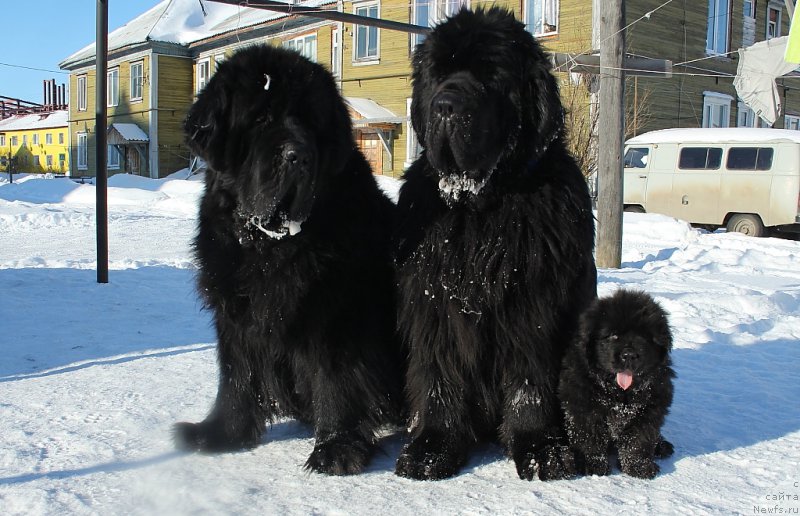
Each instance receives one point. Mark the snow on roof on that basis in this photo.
(130, 132)
(715, 135)
(183, 22)
(371, 111)
(35, 121)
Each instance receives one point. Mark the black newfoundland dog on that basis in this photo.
(494, 248)
(616, 385)
(294, 253)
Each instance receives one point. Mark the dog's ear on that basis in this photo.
(545, 116)
(205, 124)
(419, 118)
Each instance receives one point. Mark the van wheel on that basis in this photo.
(634, 208)
(746, 224)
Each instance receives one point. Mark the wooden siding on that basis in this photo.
(174, 99)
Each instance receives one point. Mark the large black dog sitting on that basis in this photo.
(495, 244)
(294, 252)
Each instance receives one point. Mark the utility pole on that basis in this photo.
(101, 125)
(611, 133)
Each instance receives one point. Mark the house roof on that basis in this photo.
(129, 132)
(34, 121)
(183, 22)
(370, 112)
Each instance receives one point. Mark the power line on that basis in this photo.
(33, 68)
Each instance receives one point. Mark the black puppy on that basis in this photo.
(616, 385)
(494, 248)
(294, 256)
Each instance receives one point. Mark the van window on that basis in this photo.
(750, 158)
(636, 157)
(700, 158)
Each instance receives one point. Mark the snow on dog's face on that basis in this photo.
(273, 129)
(627, 338)
(483, 98)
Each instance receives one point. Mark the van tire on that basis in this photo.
(746, 224)
(634, 208)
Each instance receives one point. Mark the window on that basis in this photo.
(112, 88)
(35, 139)
(82, 93)
(304, 45)
(14, 141)
(113, 157)
(48, 139)
(541, 16)
(365, 47)
(218, 60)
(428, 13)
(62, 161)
(716, 109)
(749, 9)
(413, 148)
(49, 161)
(636, 157)
(746, 117)
(2, 141)
(702, 158)
(202, 74)
(773, 22)
(718, 30)
(36, 161)
(336, 63)
(24, 140)
(61, 138)
(789, 122)
(137, 77)
(750, 158)
(83, 151)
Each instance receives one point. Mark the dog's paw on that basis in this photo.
(639, 467)
(664, 449)
(596, 465)
(546, 463)
(429, 459)
(208, 437)
(340, 455)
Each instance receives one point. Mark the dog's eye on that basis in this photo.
(263, 120)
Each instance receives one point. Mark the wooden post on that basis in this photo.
(611, 134)
(100, 126)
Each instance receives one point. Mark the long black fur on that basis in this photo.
(628, 331)
(494, 248)
(305, 321)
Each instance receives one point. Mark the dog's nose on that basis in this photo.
(448, 103)
(294, 154)
(629, 355)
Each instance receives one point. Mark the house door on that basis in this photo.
(134, 163)
(370, 146)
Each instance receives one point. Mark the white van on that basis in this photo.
(739, 178)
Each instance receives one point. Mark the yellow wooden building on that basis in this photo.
(35, 143)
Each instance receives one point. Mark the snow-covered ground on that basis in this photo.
(92, 377)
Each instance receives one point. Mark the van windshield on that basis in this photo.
(636, 157)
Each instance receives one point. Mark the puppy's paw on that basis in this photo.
(596, 465)
(551, 462)
(209, 437)
(429, 459)
(639, 467)
(340, 454)
(664, 449)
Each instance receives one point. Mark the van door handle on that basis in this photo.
(642, 177)
(685, 200)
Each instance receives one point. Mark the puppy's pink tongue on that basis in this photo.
(625, 379)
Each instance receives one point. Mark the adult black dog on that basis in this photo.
(495, 240)
(616, 385)
(294, 253)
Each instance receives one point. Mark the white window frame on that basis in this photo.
(772, 29)
(2, 141)
(716, 109)
(218, 60)
(36, 161)
(61, 138)
(83, 151)
(48, 139)
(81, 93)
(305, 45)
(14, 141)
(427, 13)
(547, 11)
(112, 87)
(752, 5)
(137, 81)
(35, 139)
(746, 117)
(49, 161)
(203, 73)
(718, 21)
(791, 122)
(336, 55)
(24, 140)
(357, 29)
(112, 157)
